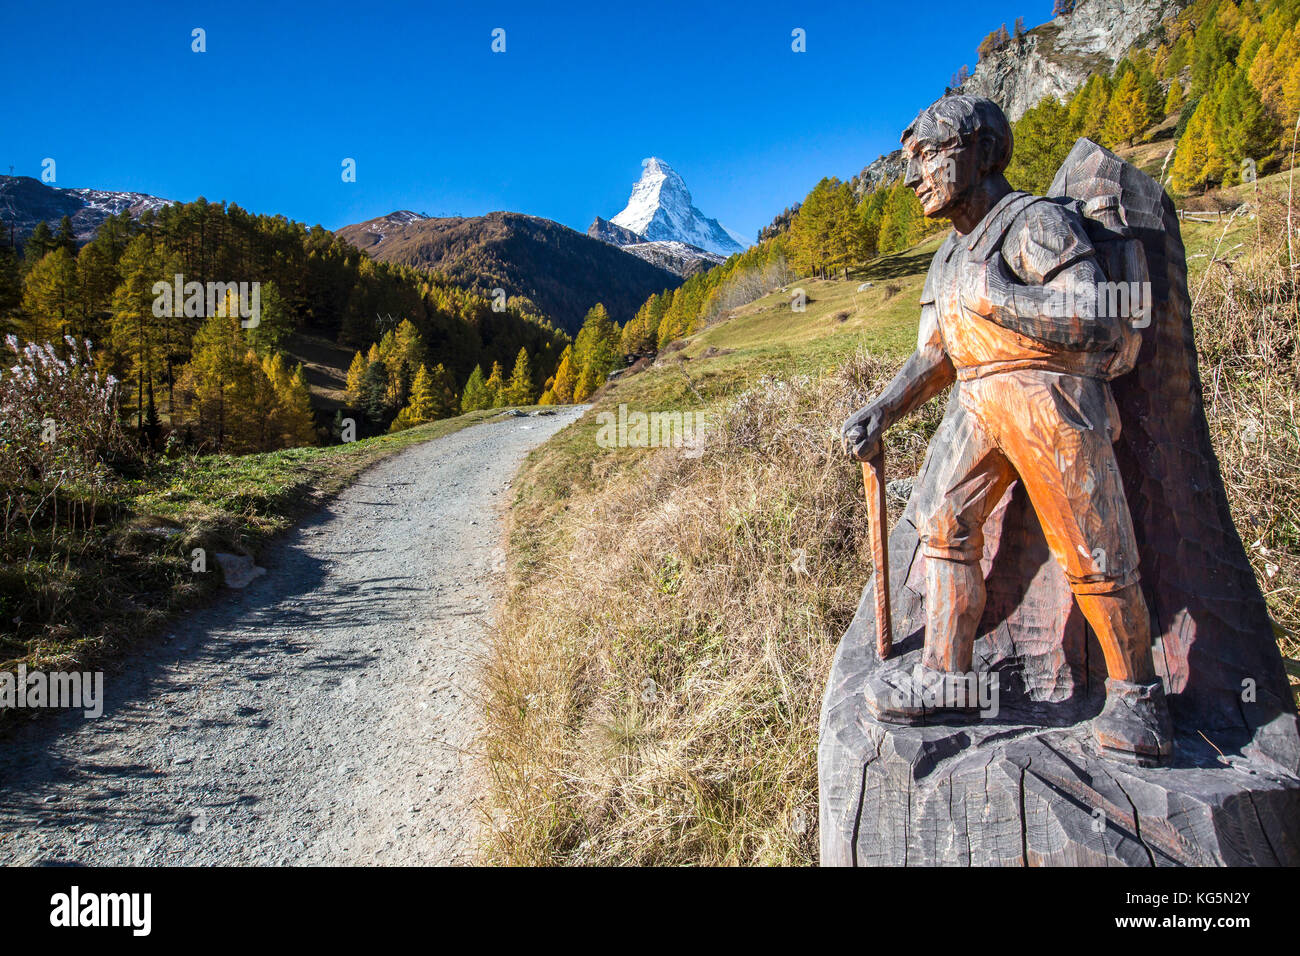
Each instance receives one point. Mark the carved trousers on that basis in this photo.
(1054, 432)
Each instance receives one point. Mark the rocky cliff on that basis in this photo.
(1055, 59)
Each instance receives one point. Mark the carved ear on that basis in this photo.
(987, 147)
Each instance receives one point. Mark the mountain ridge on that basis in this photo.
(25, 201)
(561, 271)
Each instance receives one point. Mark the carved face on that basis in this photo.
(940, 172)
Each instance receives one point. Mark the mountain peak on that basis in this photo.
(661, 208)
(25, 201)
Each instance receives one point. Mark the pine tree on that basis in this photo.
(66, 238)
(11, 285)
(476, 395)
(96, 279)
(520, 389)
(38, 244)
(274, 325)
(442, 388)
(1245, 126)
(374, 391)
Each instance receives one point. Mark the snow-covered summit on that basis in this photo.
(25, 201)
(112, 202)
(660, 208)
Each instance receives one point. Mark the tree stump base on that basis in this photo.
(1030, 788)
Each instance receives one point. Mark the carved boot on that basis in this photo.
(1134, 725)
(899, 694)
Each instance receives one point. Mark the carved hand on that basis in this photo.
(986, 287)
(1060, 313)
(862, 432)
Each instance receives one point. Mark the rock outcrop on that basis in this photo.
(1056, 58)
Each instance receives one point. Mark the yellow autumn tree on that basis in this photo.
(1174, 98)
(496, 387)
(356, 373)
(292, 420)
(1126, 115)
(519, 390)
(225, 395)
(421, 408)
(588, 382)
(1198, 160)
(566, 378)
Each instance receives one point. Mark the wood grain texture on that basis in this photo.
(873, 483)
(1029, 787)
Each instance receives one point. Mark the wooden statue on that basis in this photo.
(1068, 537)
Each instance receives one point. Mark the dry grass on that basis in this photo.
(671, 719)
(1247, 323)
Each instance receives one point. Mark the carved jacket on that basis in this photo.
(1036, 238)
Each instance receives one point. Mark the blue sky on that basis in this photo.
(556, 126)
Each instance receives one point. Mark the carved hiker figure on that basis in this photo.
(1013, 310)
(1078, 664)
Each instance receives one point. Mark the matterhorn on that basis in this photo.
(660, 223)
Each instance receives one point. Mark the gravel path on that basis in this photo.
(325, 715)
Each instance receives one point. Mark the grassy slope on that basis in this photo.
(653, 687)
(632, 566)
(326, 366)
(133, 570)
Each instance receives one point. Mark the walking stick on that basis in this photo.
(873, 479)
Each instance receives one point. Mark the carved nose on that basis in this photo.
(912, 174)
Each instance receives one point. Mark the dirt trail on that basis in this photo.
(324, 715)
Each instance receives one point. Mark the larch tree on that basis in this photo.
(566, 378)
(50, 296)
(356, 373)
(146, 343)
(1126, 115)
(519, 391)
(495, 387)
(476, 395)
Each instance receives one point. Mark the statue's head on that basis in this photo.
(952, 146)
